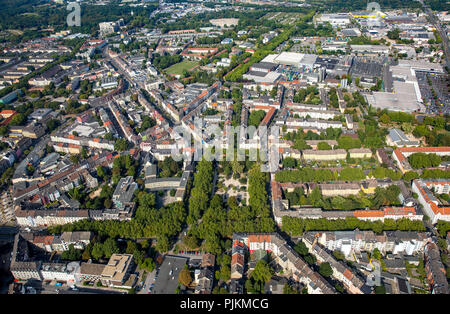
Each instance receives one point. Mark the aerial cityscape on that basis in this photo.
(224, 147)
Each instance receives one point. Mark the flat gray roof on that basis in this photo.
(167, 280)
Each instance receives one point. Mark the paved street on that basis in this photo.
(148, 282)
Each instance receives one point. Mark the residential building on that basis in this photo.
(436, 273)
(26, 270)
(205, 281)
(352, 282)
(91, 271)
(283, 254)
(406, 242)
(275, 285)
(61, 272)
(325, 155)
(401, 154)
(124, 192)
(431, 205)
(79, 239)
(360, 153)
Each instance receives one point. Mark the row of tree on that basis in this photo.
(308, 174)
(297, 226)
(201, 191)
(148, 222)
(423, 160)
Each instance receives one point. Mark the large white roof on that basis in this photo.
(270, 58)
(289, 58)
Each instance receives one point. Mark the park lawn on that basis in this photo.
(178, 68)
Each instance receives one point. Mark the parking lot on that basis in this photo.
(435, 94)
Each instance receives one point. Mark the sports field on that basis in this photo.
(178, 68)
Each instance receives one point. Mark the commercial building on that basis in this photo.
(263, 67)
(404, 94)
(397, 138)
(226, 22)
(109, 82)
(335, 19)
(262, 77)
(295, 59)
(117, 273)
(124, 192)
(12, 96)
(370, 49)
(40, 114)
(108, 28)
(263, 72)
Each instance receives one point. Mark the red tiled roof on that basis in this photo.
(259, 237)
(7, 111)
(348, 274)
(268, 117)
(368, 213)
(399, 211)
(238, 243)
(400, 151)
(237, 259)
(276, 190)
(435, 208)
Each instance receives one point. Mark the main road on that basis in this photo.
(440, 30)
